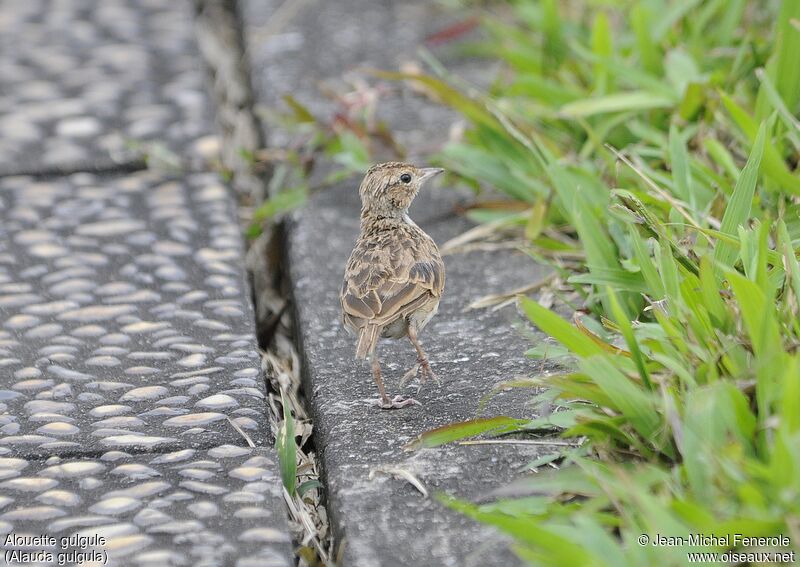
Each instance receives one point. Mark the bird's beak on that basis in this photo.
(429, 172)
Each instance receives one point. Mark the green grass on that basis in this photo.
(659, 141)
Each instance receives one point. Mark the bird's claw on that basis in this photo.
(427, 373)
(410, 375)
(398, 402)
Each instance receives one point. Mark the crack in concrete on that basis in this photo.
(219, 35)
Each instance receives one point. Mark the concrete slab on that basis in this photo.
(383, 520)
(125, 320)
(81, 80)
(219, 506)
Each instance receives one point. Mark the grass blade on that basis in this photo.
(287, 449)
(738, 210)
(456, 431)
(559, 329)
(774, 166)
(621, 102)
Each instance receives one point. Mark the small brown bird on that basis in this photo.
(395, 276)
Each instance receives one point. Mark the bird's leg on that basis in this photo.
(422, 360)
(385, 403)
(376, 373)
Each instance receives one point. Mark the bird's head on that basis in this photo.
(389, 188)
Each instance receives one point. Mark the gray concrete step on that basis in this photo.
(382, 519)
(82, 80)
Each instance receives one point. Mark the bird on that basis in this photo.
(395, 275)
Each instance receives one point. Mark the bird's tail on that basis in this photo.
(367, 339)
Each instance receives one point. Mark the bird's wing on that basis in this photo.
(379, 289)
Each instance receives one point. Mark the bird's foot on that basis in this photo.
(411, 374)
(397, 402)
(427, 373)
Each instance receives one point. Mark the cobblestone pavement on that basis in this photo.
(132, 413)
(123, 302)
(213, 506)
(83, 80)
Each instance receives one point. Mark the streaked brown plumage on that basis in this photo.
(395, 275)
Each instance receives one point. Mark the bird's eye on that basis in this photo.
(405, 178)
